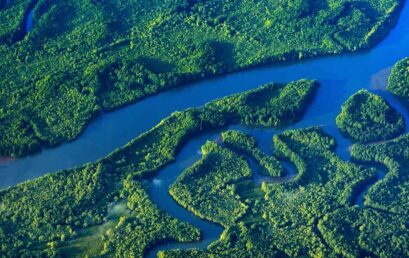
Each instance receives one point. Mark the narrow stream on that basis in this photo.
(158, 192)
(191, 153)
(380, 174)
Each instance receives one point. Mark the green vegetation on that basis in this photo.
(366, 117)
(283, 220)
(399, 81)
(208, 187)
(310, 216)
(355, 232)
(247, 145)
(391, 193)
(56, 213)
(105, 203)
(132, 235)
(86, 56)
(313, 216)
(273, 105)
(324, 183)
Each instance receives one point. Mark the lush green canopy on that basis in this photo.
(86, 55)
(366, 117)
(399, 80)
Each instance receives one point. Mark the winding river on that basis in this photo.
(340, 77)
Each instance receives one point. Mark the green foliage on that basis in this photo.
(324, 183)
(399, 81)
(355, 232)
(42, 211)
(366, 117)
(88, 58)
(50, 215)
(27, 135)
(146, 225)
(239, 240)
(247, 145)
(208, 187)
(271, 106)
(391, 193)
(310, 216)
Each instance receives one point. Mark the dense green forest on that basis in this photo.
(68, 212)
(85, 56)
(247, 145)
(103, 208)
(208, 187)
(366, 117)
(399, 81)
(314, 215)
(392, 192)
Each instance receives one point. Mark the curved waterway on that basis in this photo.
(381, 171)
(340, 77)
(159, 186)
(158, 192)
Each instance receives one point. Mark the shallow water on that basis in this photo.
(340, 77)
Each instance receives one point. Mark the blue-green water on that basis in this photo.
(340, 77)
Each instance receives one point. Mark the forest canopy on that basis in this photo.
(84, 56)
(367, 117)
(399, 81)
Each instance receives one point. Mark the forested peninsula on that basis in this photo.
(81, 57)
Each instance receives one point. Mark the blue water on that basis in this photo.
(340, 77)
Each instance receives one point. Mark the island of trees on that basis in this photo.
(366, 117)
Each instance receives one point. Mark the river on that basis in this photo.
(340, 77)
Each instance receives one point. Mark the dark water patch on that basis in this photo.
(3, 4)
